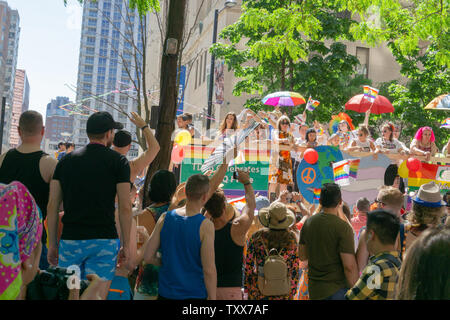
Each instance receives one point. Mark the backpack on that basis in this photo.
(273, 278)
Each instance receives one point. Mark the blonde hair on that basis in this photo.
(391, 196)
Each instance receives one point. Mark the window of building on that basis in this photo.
(90, 40)
(92, 22)
(90, 50)
(101, 70)
(88, 69)
(204, 68)
(89, 60)
(103, 43)
(103, 52)
(107, 6)
(102, 61)
(363, 56)
(105, 32)
(116, 34)
(100, 80)
(93, 13)
(196, 73)
(112, 72)
(87, 78)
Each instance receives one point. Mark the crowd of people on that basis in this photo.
(82, 208)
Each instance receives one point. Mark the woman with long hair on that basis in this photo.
(280, 170)
(423, 143)
(276, 234)
(388, 144)
(424, 273)
(229, 125)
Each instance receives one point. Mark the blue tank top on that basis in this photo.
(181, 273)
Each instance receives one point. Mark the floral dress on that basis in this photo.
(280, 170)
(254, 259)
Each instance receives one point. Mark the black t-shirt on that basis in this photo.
(89, 178)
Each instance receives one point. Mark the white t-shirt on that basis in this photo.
(364, 145)
(296, 155)
(392, 146)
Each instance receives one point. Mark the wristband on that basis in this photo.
(246, 184)
(144, 127)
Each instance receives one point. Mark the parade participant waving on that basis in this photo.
(280, 171)
(423, 143)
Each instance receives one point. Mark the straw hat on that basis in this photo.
(429, 195)
(276, 216)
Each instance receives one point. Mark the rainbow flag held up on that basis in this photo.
(353, 167)
(341, 173)
(445, 123)
(316, 194)
(370, 93)
(312, 104)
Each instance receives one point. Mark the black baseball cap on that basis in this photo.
(122, 138)
(101, 122)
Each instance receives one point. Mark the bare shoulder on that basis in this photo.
(47, 167)
(206, 228)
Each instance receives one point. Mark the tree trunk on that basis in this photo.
(168, 93)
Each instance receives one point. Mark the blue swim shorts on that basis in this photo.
(97, 256)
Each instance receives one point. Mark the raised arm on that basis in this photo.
(208, 258)
(245, 220)
(153, 147)
(54, 202)
(218, 176)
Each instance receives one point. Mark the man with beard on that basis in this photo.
(87, 182)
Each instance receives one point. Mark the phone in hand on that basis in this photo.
(235, 175)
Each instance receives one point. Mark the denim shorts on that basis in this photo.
(98, 256)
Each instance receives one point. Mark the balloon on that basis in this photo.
(403, 170)
(311, 156)
(183, 138)
(177, 154)
(413, 164)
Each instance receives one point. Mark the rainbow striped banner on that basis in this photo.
(198, 153)
(440, 174)
(370, 93)
(353, 167)
(316, 194)
(340, 171)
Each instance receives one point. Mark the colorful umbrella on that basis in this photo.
(445, 123)
(359, 104)
(440, 103)
(284, 99)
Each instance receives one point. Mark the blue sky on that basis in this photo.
(49, 47)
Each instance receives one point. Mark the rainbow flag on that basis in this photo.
(445, 123)
(340, 171)
(316, 194)
(312, 104)
(370, 93)
(353, 167)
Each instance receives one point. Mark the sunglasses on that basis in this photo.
(285, 123)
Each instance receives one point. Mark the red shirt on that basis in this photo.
(358, 222)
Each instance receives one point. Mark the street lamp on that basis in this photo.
(228, 4)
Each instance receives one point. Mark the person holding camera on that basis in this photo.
(230, 235)
(21, 230)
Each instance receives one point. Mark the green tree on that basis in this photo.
(292, 45)
(427, 79)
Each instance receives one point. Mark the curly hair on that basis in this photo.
(425, 215)
(278, 239)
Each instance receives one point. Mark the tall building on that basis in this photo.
(106, 64)
(9, 45)
(58, 124)
(21, 101)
